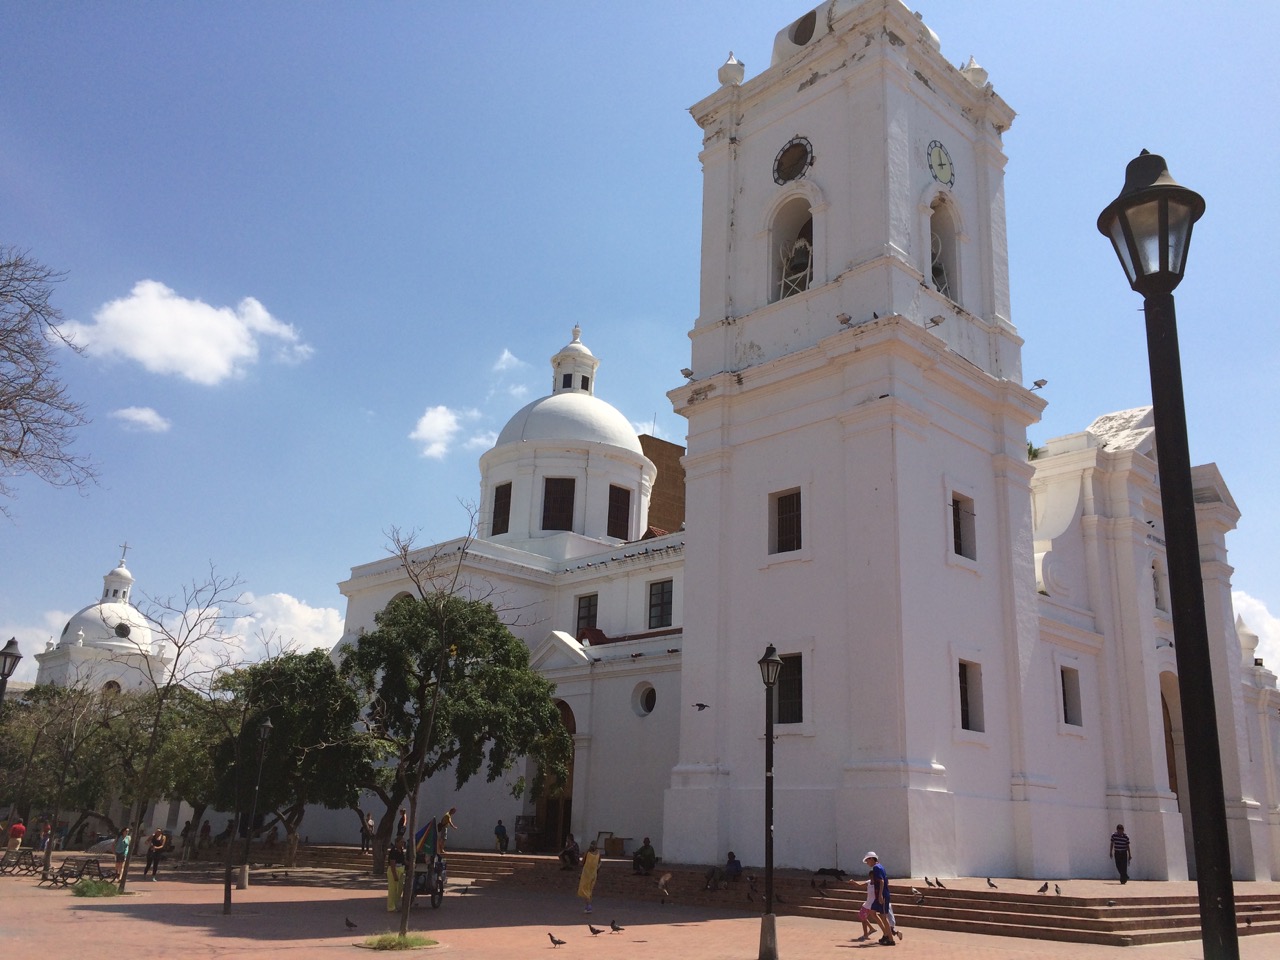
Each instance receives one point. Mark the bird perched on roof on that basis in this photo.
(1044, 887)
(554, 941)
(928, 882)
(614, 928)
(595, 931)
(991, 883)
(1057, 889)
(937, 882)
(350, 925)
(701, 706)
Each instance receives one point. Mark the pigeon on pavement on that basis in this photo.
(554, 941)
(1057, 889)
(595, 931)
(928, 882)
(614, 928)
(350, 925)
(991, 884)
(938, 883)
(1044, 887)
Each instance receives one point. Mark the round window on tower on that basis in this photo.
(793, 160)
(122, 630)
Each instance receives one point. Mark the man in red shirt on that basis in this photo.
(16, 833)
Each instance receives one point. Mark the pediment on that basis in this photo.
(559, 651)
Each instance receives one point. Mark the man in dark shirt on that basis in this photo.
(1121, 851)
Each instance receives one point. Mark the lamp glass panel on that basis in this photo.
(1179, 232)
(1144, 222)
(1122, 247)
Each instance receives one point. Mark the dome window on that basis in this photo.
(122, 630)
(557, 503)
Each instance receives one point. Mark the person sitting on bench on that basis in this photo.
(645, 858)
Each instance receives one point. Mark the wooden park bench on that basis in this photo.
(74, 869)
(19, 861)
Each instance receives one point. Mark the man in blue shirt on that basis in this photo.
(879, 881)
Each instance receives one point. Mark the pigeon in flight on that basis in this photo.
(554, 941)
(701, 706)
(662, 884)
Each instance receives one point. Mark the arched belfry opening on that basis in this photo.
(943, 265)
(791, 250)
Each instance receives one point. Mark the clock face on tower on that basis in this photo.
(940, 164)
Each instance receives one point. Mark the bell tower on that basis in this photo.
(857, 481)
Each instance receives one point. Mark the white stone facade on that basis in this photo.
(980, 668)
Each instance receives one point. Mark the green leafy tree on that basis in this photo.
(316, 753)
(445, 685)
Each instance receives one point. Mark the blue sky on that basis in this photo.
(319, 253)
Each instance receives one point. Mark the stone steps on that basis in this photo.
(1118, 921)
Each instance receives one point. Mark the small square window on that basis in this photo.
(586, 383)
(963, 537)
(1071, 714)
(971, 696)
(566, 382)
(661, 595)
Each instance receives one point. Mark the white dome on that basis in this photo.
(574, 417)
(109, 625)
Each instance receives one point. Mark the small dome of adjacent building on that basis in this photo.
(113, 623)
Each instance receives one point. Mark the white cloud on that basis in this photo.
(518, 390)
(508, 361)
(141, 418)
(1262, 622)
(482, 441)
(438, 427)
(32, 640)
(278, 621)
(169, 334)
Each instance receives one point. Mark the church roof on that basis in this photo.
(571, 416)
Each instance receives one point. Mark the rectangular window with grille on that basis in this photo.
(619, 512)
(557, 503)
(788, 692)
(501, 509)
(661, 595)
(785, 522)
(587, 607)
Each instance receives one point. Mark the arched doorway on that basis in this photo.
(555, 805)
(1175, 757)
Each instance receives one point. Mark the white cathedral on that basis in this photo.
(979, 675)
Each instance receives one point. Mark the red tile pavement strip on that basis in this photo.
(303, 916)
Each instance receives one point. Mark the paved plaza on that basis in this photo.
(303, 915)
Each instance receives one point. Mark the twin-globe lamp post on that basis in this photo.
(770, 666)
(9, 658)
(1149, 224)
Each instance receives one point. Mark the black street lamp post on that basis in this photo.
(264, 731)
(1149, 224)
(770, 666)
(9, 658)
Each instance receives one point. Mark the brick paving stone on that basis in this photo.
(302, 916)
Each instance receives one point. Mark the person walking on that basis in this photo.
(590, 868)
(16, 833)
(878, 887)
(157, 844)
(500, 837)
(402, 824)
(1121, 851)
